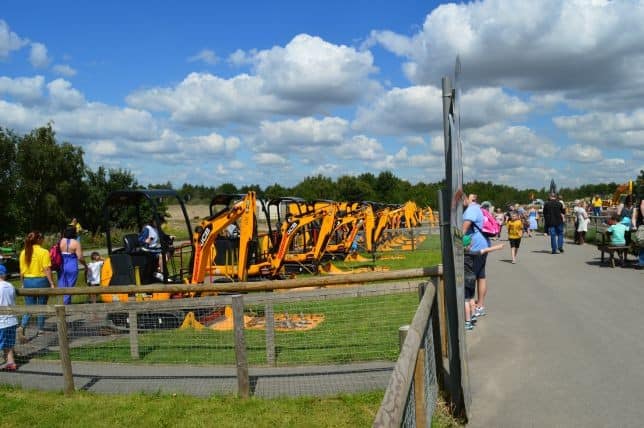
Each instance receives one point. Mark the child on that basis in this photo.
(616, 230)
(500, 218)
(94, 272)
(515, 232)
(470, 279)
(8, 323)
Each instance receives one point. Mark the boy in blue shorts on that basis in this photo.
(8, 323)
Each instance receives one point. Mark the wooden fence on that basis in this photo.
(418, 374)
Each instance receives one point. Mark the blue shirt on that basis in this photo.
(617, 232)
(474, 214)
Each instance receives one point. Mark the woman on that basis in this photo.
(72, 254)
(582, 223)
(35, 272)
(638, 221)
(625, 211)
(532, 220)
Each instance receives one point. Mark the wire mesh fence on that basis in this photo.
(305, 342)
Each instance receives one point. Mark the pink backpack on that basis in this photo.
(490, 226)
(56, 257)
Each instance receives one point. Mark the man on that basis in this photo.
(553, 219)
(472, 225)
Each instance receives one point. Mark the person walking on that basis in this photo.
(515, 233)
(638, 224)
(533, 216)
(72, 255)
(553, 218)
(597, 205)
(582, 222)
(472, 225)
(35, 272)
(8, 322)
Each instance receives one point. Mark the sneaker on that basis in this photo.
(480, 311)
(469, 325)
(561, 250)
(11, 367)
(514, 262)
(159, 276)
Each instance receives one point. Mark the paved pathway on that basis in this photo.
(562, 344)
(203, 380)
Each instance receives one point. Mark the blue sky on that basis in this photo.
(271, 92)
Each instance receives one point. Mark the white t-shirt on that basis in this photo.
(7, 298)
(153, 237)
(94, 272)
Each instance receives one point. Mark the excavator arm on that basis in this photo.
(206, 233)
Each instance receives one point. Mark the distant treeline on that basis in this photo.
(43, 184)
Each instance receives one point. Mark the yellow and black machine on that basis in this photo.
(130, 261)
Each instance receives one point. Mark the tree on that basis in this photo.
(275, 191)
(228, 188)
(351, 188)
(99, 185)
(50, 178)
(10, 219)
(318, 187)
(387, 187)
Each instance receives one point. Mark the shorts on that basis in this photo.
(479, 265)
(8, 337)
(469, 277)
(515, 243)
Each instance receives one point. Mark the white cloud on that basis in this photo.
(306, 135)
(38, 56)
(63, 96)
(9, 41)
(96, 120)
(25, 90)
(17, 117)
(202, 99)
(205, 55)
(212, 144)
(535, 46)
(625, 130)
(64, 70)
(269, 159)
(582, 154)
(305, 77)
(360, 147)
(418, 109)
(309, 68)
(240, 58)
(102, 148)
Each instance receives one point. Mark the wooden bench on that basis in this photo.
(621, 250)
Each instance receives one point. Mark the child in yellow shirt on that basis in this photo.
(515, 232)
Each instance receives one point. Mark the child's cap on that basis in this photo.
(467, 240)
(3, 270)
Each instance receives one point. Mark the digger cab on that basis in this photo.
(125, 214)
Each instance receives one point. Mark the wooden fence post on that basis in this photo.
(269, 321)
(63, 345)
(243, 381)
(438, 337)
